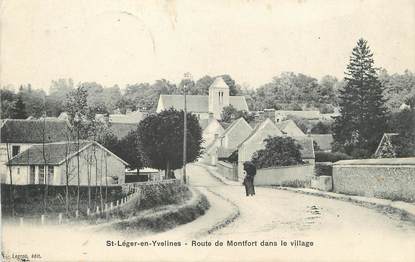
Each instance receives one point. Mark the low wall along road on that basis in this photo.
(296, 176)
(392, 178)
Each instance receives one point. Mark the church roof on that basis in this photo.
(195, 103)
(198, 103)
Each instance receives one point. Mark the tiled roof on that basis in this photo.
(283, 124)
(55, 153)
(323, 140)
(194, 103)
(198, 103)
(306, 143)
(34, 131)
(130, 118)
(239, 102)
(302, 114)
(120, 130)
(230, 127)
(260, 126)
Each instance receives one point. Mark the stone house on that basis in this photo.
(225, 144)
(202, 105)
(212, 131)
(18, 135)
(255, 142)
(54, 163)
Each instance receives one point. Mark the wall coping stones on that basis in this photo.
(407, 161)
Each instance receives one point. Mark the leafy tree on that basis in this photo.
(58, 91)
(234, 89)
(161, 139)
(127, 148)
(20, 108)
(8, 103)
(403, 123)
(362, 122)
(279, 151)
(398, 87)
(230, 113)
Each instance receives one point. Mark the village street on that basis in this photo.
(333, 227)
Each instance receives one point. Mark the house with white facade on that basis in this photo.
(225, 144)
(57, 163)
(17, 135)
(212, 131)
(202, 105)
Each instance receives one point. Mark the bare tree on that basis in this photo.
(11, 188)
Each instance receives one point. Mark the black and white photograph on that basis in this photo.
(207, 131)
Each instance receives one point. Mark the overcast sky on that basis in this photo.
(120, 42)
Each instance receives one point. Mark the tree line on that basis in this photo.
(288, 91)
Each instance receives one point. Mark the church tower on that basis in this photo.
(218, 97)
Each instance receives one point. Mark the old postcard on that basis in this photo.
(233, 130)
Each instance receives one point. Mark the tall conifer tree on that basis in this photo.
(362, 105)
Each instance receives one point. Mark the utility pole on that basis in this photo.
(187, 78)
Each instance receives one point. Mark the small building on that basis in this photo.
(57, 163)
(289, 128)
(18, 135)
(202, 105)
(144, 175)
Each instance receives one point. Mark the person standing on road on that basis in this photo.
(250, 171)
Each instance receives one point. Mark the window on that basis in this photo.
(18, 170)
(41, 178)
(32, 174)
(51, 171)
(15, 150)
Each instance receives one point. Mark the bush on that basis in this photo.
(279, 151)
(331, 156)
(323, 169)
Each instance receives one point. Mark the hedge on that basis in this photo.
(331, 156)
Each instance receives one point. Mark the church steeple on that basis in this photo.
(218, 97)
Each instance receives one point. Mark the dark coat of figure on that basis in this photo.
(250, 171)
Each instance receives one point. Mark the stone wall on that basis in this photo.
(382, 178)
(296, 176)
(228, 170)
